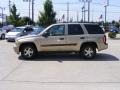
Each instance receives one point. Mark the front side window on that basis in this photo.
(57, 30)
(74, 29)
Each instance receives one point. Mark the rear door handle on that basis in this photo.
(61, 38)
(82, 37)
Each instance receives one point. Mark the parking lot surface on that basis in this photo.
(60, 71)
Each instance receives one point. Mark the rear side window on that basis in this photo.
(74, 29)
(94, 29)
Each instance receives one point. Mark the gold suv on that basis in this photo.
(84, 38)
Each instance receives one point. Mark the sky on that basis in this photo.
(96, 10)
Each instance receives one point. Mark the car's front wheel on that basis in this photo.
(88, 51)
(28, 51)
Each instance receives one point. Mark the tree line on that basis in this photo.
(45, 17)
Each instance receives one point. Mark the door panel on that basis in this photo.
(75, 37)
(56, 39)
(52, 43)
(74, 42)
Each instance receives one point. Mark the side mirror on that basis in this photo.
(45, 34)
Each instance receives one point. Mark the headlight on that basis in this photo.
(16, 42)
(18, 35)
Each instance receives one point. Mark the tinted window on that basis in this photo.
(74, 29)
(94, 29)
(57, 30)
(27, 29)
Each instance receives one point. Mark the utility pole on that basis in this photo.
(9, 6)
(67, 11)
(92, 15)
(29, 2)
(77, 16)
(88, 10)
(29, 7)
(84, 9)
(33, 10)
(105, 13)
(82, 13)
(2, 14)
(107, 4)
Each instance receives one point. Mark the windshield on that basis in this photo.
(17, 30)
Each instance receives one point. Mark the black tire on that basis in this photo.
(8, 41)
(88, 52)
(3, 36)
(30, 54)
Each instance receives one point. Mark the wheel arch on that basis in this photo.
(28, 43)
(89, 43)
(2, 34)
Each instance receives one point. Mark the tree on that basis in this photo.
(113, 22)
(14, 18)
(117, 24)
(26, 21)
(47, 17)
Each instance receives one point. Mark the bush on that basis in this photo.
(112, 35)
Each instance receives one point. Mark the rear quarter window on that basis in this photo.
(94, 29)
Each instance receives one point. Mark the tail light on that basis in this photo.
(105, 40)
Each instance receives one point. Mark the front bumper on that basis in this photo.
(16, 49)
(11, 39)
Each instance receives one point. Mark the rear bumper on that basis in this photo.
(103, 47)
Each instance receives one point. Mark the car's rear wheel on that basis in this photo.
(28, 51)
(3, 36)
(88, 51)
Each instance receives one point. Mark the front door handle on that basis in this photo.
(61, 38)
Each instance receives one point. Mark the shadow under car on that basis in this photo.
(71, 57)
